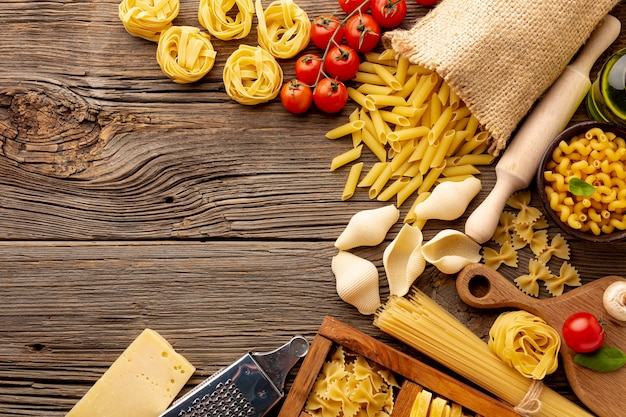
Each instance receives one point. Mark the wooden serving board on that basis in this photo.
(604, 393)
(416, 374)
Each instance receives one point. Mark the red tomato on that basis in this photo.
(330, 96)
(389, 13)
(583, 332)
(309, 69)
(349, 6)
(296, 97)
(326, 28)
(426, 2)
(341, 62)
(362, 32)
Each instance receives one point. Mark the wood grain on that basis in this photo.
(128, 201)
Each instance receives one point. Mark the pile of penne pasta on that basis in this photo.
(417, 127)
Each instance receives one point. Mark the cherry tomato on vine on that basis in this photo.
(341, 62)
(326, 28)
(296, 97)
(427, 2)
(309, 68)
(583, 332)
(389, 13)
(362, 32)
(330, 96)
(349, 6)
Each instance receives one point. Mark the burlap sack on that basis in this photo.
(500, 55)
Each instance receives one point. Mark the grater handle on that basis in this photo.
(279, 362)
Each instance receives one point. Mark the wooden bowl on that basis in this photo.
(567, 135)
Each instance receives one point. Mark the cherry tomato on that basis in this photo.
(362, 32)
(341, 62)
(349, 6)
(309, 69)
(583, 332)
(330, 96)
(389, 13)
(326, 28)
(296, 97)
(427, 2)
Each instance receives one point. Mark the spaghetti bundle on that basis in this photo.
(424, 325)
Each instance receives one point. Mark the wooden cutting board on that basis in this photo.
(604, 393)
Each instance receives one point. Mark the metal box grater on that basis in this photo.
(250, 387)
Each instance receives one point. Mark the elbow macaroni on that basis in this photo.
(598, 158)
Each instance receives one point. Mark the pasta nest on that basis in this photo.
(252, 75)
(185, 54)
(284, 29)
(148, 18)
(526, 343)
(214, 16)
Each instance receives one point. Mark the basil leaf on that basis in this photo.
(580, 188)
(602, 360)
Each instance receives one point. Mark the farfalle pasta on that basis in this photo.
(568, 275)
(506, 255)
(521, 201)
(284, 29)
(350, 385)
(147, 19)
(526, 343)
(537, 271)
(185, 54)
(558, 247)
(252, 75)
(216, 16)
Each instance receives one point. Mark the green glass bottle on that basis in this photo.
(606, 100)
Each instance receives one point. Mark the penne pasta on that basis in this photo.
(417, 127)
(380, 182)
(351, 182)
(345, 129)
(387, 76)
(346, 157)
(393, 189)
(372, 174)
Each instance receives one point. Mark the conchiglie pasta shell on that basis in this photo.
(403, 260)
(451, 250)
(448, 200)
(368, 227)
(356, 281)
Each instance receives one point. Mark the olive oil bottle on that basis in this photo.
(606, 100)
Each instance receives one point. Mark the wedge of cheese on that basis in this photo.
(142, 382)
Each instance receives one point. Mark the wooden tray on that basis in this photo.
(416, 374)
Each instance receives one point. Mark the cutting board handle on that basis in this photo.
(483, 287)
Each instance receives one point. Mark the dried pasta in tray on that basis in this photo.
(341, 356)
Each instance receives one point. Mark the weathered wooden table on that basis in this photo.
(128, 201)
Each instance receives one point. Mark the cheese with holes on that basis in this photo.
(142, 382)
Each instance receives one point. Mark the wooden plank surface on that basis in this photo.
(128, 201)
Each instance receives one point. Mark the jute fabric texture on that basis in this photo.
(499, 56)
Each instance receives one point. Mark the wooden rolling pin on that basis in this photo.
(519, 163)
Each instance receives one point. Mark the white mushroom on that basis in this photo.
(614, 300)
